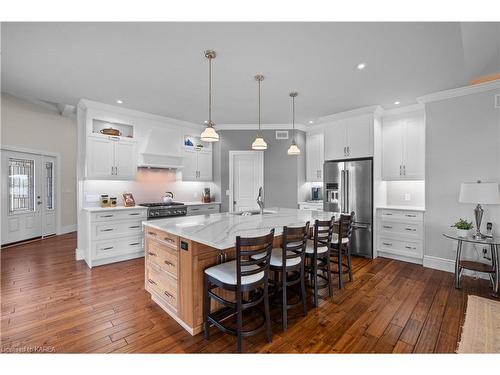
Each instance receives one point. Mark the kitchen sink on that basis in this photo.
(252, 212)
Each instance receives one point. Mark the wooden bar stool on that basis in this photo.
(318, 254)
(291, 271)
(341, 247)
(248, 274)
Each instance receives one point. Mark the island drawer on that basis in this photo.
(162, 256)
(165, 238)
(162, 284)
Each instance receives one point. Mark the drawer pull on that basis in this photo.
(107, 215)
(107, 248)
(134, 226)
(386, 243)
(168, 294)
(410, 248)
(151, 282)
(134, 214)
(169, 240)
(387, 226)
(135, 243)
(195, 209)
(168, 263)
(152, 234)
(411, 229)
(107, 230)
(152, 254)
(388, 214)
(410, 215)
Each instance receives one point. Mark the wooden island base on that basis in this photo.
(174, 269)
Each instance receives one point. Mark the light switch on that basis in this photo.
(407, 197)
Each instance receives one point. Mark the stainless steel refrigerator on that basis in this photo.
(348, 187)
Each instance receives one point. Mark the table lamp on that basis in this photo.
(479, 193)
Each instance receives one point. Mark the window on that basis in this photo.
(49, 185)
(21, 185)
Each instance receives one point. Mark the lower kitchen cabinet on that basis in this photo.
(111, 235)
(203, 209)
(400, 234)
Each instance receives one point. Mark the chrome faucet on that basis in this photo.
(260, 201)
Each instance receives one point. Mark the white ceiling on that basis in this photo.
(160, 67)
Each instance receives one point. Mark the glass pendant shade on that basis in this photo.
(293, 149)
(209, 134)
(259, 144)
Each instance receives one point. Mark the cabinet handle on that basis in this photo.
(168, 240)
(195, 209)
(404, 169)
(152, 234)
(410, 215)
(152, 254)
(134, 226)
(345, 151)
(107, 230)
(168, 294)
(107, 248)
(151, 281)
(386, 243)
(116, 171)
(114, 137)
(168, 263)
(387, 226)
(134, 214)
(107, 215)
(348, 150)
(135, 243)
(411, 229)
(388, 214)
(410, 247)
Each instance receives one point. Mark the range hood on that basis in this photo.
(158, 151)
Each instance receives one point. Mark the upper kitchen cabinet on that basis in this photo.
(197, 160)
(315, 156)
(403, 147)
(111, 158)
(349, 137)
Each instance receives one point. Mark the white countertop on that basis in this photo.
(220, 230)
(117, 208)
(402, 208)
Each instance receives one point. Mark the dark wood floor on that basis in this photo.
(52, 303)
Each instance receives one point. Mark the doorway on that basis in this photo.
(246, 176)
(28, 196)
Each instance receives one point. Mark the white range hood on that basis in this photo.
(162, 149)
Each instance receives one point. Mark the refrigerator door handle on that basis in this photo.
(347, 191)
(361, 226)
(342, 183)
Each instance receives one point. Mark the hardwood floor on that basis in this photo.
(51, 303)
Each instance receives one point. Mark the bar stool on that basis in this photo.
(341, 246)
(292, 270)
(246, 274)
(318, 254)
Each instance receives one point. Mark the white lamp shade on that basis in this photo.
(259, 144)
(293, 149)
(209, 135)
(479, 193)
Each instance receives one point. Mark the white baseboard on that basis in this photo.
(67, 229)
(78, 254)
(384, 254)
(448, 265)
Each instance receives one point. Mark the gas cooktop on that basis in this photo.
(160, 210)
(161, 204)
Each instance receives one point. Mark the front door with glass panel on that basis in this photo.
(28, 196)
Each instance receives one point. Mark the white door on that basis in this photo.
(246, 177)
(359, 137)
(125, 157)
(414, 149)
(335, 140)
(190, 165)
(392, 150)
(100, 158)
(48, 199)
(205, 165)
(21, 196)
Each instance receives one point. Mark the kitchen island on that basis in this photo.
(179, 249)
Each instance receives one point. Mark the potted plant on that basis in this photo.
(463, 227)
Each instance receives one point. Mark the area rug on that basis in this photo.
(481, 330)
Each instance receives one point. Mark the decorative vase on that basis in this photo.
(463, 232)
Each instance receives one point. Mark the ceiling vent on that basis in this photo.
(281, 134)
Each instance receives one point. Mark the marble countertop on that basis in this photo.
(220, 230)
(402, 208)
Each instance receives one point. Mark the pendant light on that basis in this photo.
(259, 143)
(293, 149)
(209, 134)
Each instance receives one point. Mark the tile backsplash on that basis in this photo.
(149, 186)
(406, 193)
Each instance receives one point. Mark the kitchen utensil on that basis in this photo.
(168, 197)
(113, 201)
(104, 200)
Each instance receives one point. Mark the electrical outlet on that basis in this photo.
(407, 197)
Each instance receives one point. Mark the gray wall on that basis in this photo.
(462, 144)
(283, 174)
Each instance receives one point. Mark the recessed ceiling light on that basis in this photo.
(205, 122)
(397, 102)
(361, 66)
(119, 101)
(311, 122)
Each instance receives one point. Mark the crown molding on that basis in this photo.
(401, 110)
(461, 91)
(90, 104)
(373, 109)
(262, 126)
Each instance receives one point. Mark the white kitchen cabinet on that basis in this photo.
(111, 158)
(349, 138)
(403, 147)
(315, 156)
(197, 164)
(203, 209)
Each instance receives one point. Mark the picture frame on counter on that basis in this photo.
(128, 200)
